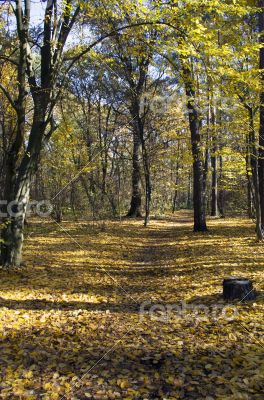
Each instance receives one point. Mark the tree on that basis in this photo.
(198, 161)
(261, 114)
(45, 90)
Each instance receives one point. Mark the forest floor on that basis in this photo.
(74, 321)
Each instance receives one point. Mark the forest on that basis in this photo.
(131, 199)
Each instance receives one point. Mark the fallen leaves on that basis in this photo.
(70, 330)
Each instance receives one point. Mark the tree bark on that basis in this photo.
(135, 205)
(11, 252)
(198, 163)
(138, 124)
(214, 200)
(250, 204)
(175, 197)
(214, 165)
(12, 160)
(176, 191)
(254, 156)
(147, 177)
(261, 114)
(221, 197)
(250, 188)
(189, 192)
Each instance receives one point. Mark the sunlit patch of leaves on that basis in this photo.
(73, 306)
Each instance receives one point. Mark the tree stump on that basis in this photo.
(238, 288)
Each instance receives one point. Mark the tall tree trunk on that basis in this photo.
(148, 186)
(12, 159)
(11, 252)
(214, 164)
(189, 192)
(147, 183)
(221, 197)
(198, 194)
(198, 163)
(250, 206)
(255, 173)
(135, 205)
(250, 188)
(103, 145)
(261, 112)
(175, 197)
(42, 89)
(139, 127)
(214, 199)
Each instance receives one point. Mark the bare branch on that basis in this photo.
(5, 58)
(9, 97)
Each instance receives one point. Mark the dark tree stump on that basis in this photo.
(238, 288)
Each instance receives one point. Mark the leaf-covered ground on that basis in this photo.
(71, 326)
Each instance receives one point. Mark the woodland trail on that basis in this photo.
(71, 321)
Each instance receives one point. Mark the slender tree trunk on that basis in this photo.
(250, 207)
(261, 111)
(73, 199)
(147, 182)
(198, 163)
(198, 196)
(214, 164)
(103, 146)
(214, 199)
(189, 192)
(175, 197)
(221, 197)
(255, 173)
(135, 205)
(249, 179)
(146, 164)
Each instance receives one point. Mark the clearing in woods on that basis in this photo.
(71, 326)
